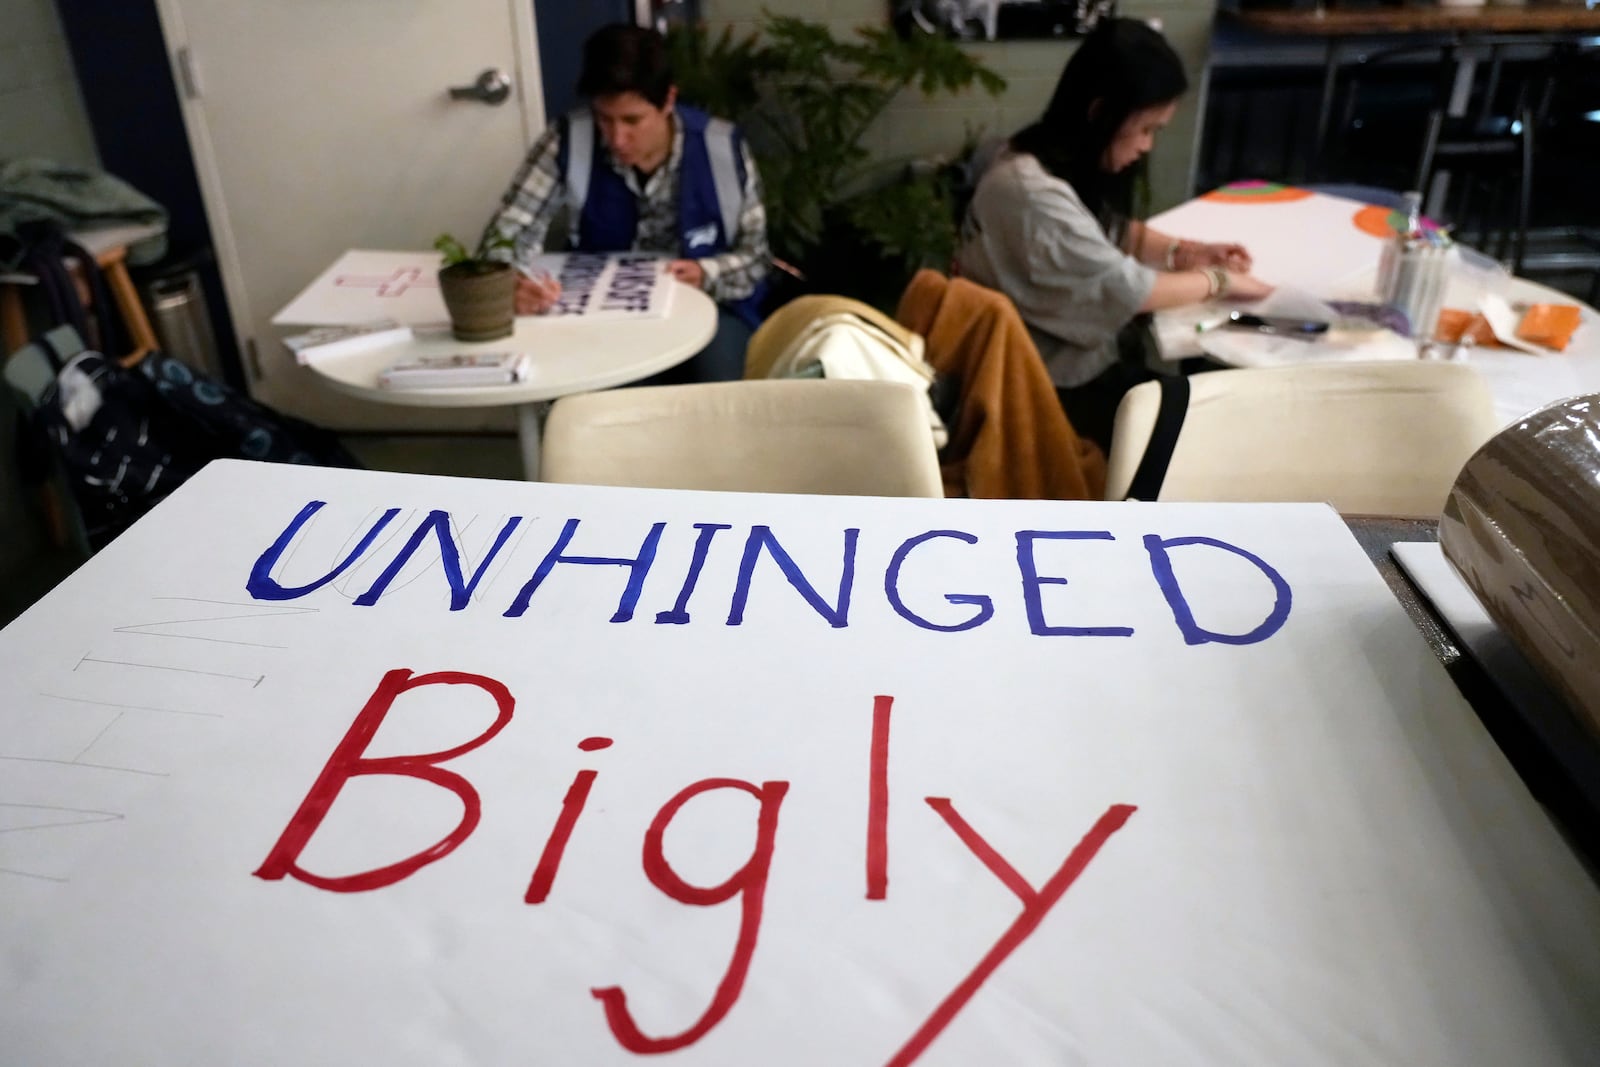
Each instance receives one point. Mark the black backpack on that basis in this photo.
(126, 437)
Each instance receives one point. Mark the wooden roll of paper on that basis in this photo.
(1522, 525)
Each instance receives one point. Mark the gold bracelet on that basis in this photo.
(1216, 282)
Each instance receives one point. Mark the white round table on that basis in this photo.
(568, 356)
(1315, 244)
(1519, 381)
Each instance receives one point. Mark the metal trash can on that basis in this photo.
(178, 312)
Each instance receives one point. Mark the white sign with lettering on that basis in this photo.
(347, 767)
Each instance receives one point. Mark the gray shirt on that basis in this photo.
(1028, 235)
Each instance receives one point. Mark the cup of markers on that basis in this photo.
(1414, 271)
(1422, 270)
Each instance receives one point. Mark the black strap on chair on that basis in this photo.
(47, 250)
(50, 351)
(33, 454)
(1146, 484)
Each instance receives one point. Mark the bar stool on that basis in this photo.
(1567, 244)
(1483, 158)
(14, 331)
(1476, 137)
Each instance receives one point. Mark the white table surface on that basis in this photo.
(568, 355)
(1284, 240)
(1521, 382)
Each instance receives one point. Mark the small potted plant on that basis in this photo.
(480, 293)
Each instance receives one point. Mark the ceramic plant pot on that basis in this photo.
(481, 298)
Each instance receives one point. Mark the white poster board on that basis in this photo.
(1310, 241)
(1311, 246)
(366, 286)
(345, 767)
(599, 287)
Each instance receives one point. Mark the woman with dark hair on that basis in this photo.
(1048, 224)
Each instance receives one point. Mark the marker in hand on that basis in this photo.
(537, 291)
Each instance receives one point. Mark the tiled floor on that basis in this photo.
(484, 456)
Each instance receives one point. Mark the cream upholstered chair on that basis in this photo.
(1369, 438)
(853, 438)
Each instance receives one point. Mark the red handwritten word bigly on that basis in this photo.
(748, 883)
(973, 609)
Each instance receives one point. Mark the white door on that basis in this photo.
(324, 125)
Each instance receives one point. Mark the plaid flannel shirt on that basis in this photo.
(538, 193)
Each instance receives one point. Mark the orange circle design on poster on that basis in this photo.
(1382, 222)
(1377, 221)
(1256, 192)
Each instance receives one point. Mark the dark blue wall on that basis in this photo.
(121, 62)
(563, 26)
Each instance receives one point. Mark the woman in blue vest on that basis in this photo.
(639, 171)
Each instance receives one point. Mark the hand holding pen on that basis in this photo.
(1232, 257)
(537, 291)
(1199, 255)
(688, 271)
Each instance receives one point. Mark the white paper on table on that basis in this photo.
(1355, 343)
(608, 286)
(1238, 348)
(1427, 566)
(1178, 330)
(1311, 243)
(1503, 319)
(1540, 705)
(365, 286)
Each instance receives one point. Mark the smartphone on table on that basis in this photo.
(1279, 324)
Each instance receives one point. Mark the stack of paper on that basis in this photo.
(327, 341)
(456, 370)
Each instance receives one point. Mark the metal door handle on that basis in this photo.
(492, 87)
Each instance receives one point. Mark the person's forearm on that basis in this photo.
(1174, 289)
(1165, 252)
(732, 276)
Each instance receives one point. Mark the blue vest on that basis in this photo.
(710, 193)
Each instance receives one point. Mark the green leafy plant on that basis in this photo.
(806, 100)
(452, 249)
(479, 293)
(455, 253)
